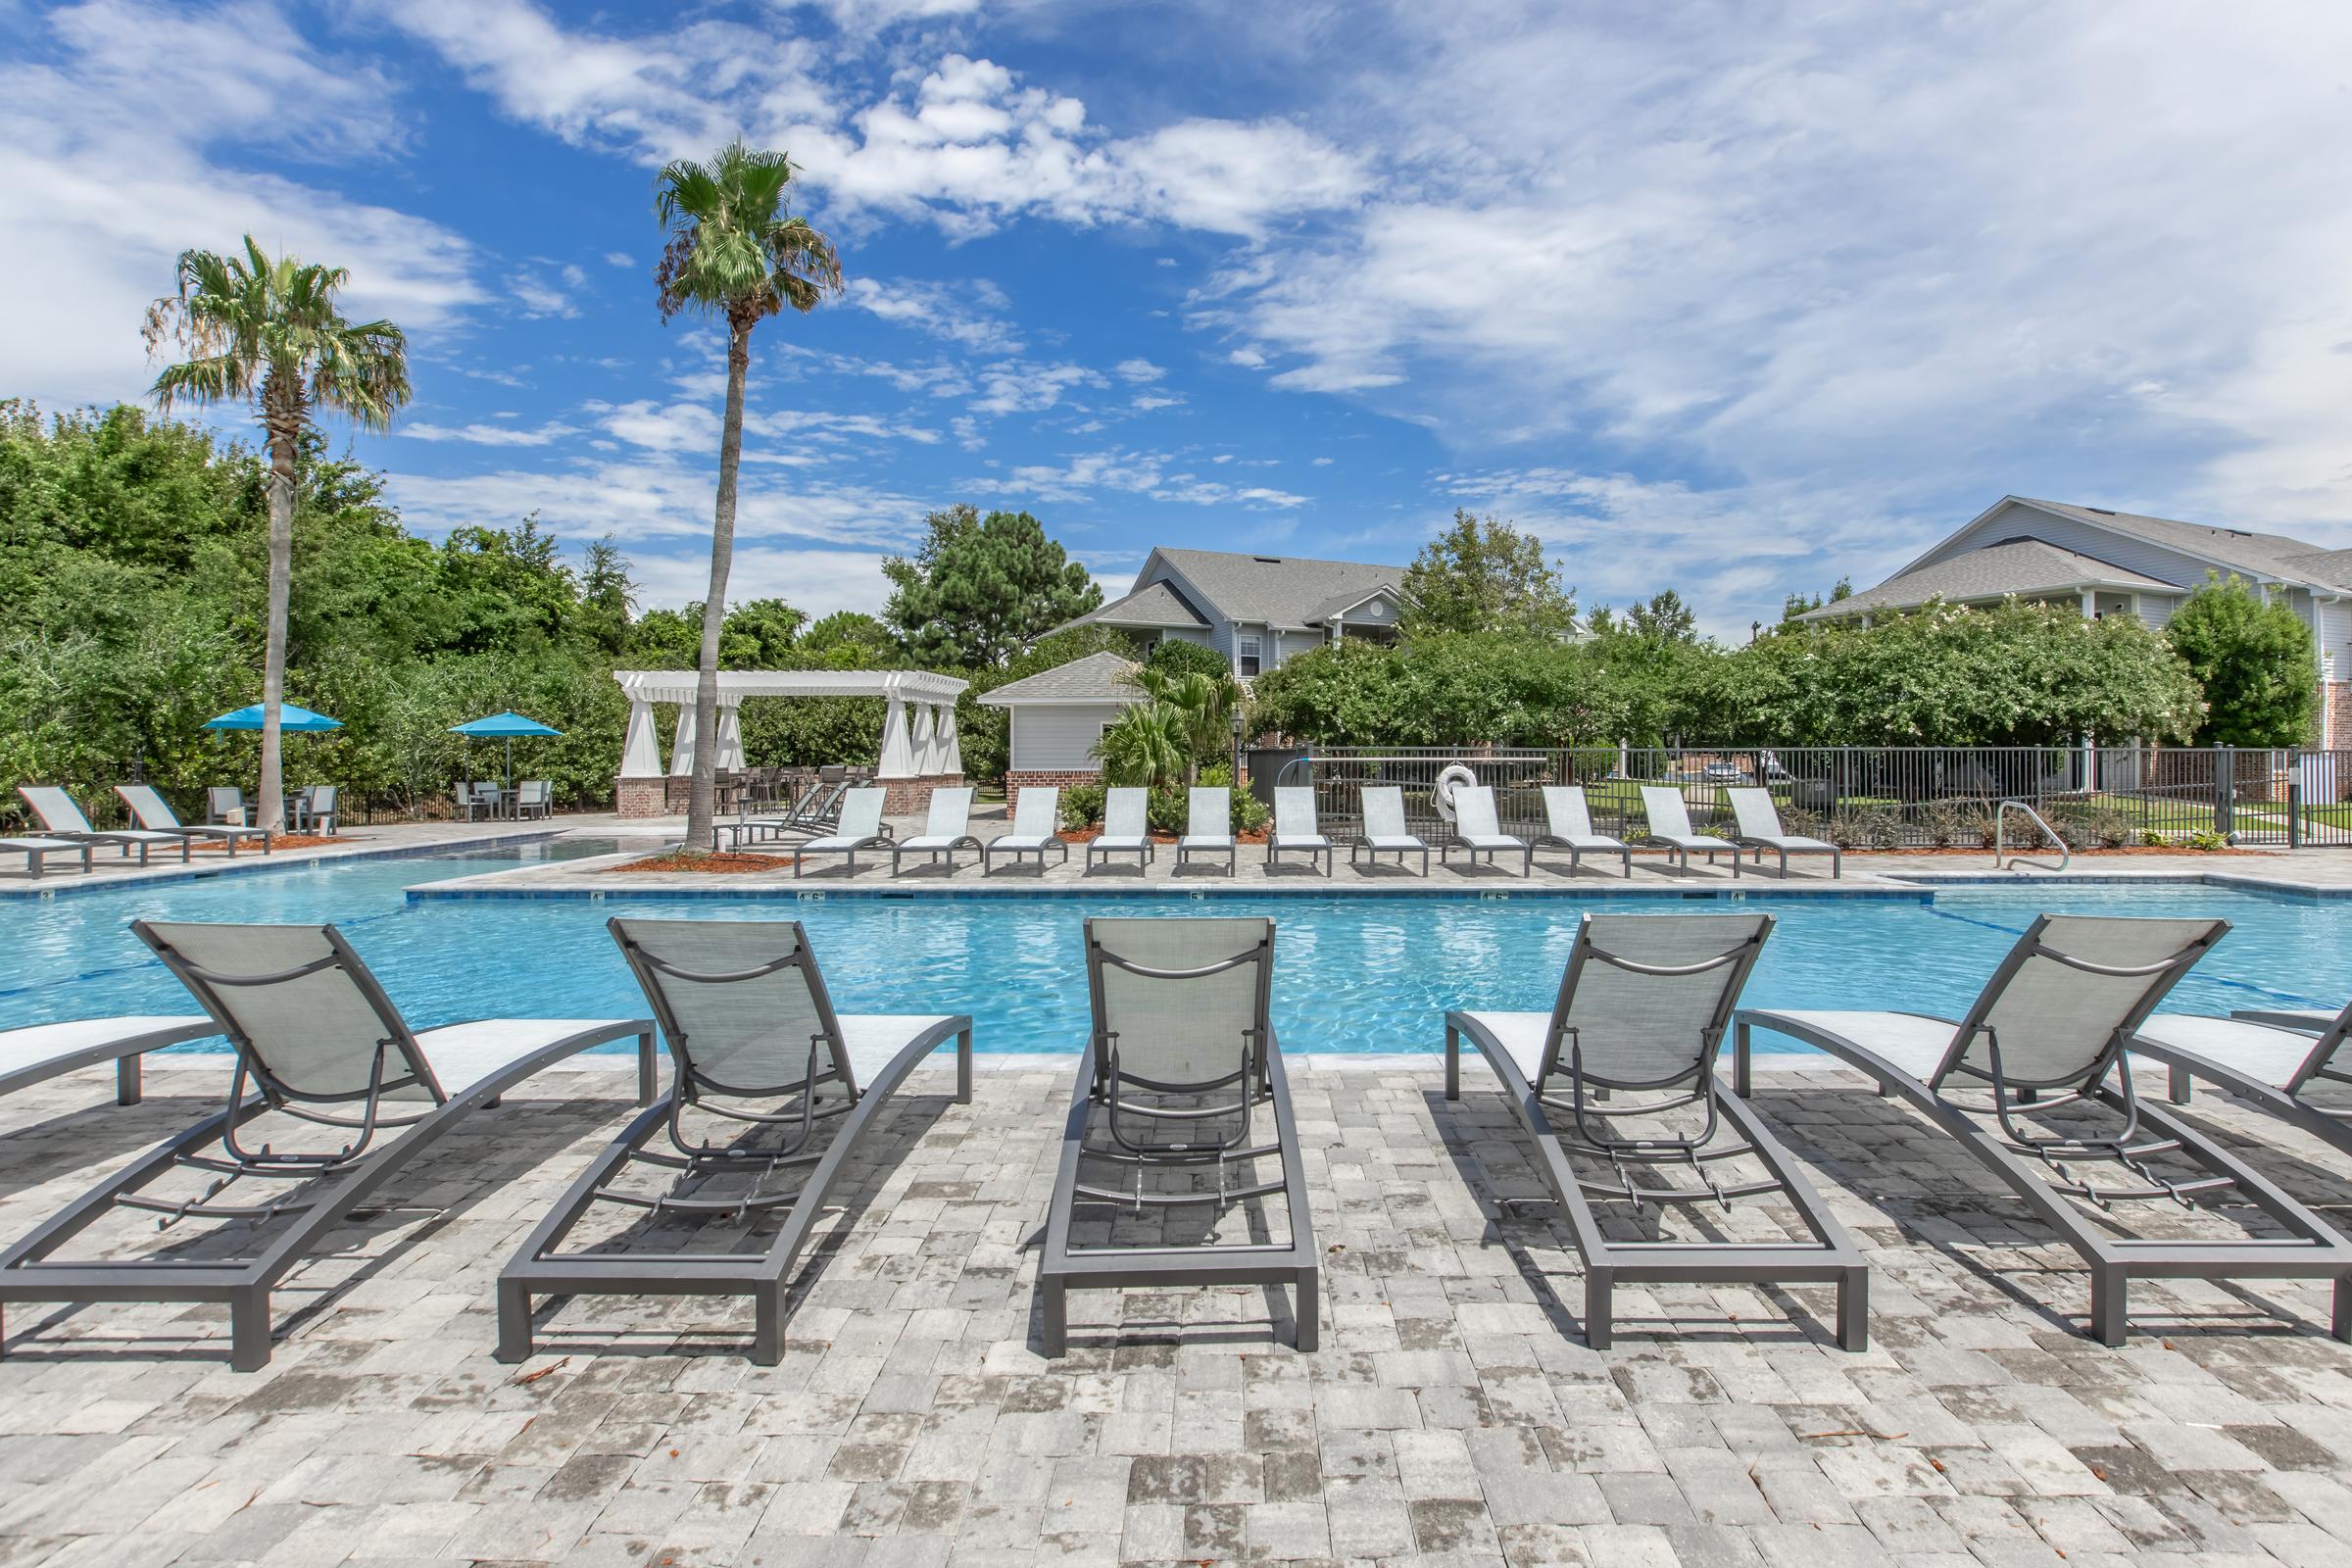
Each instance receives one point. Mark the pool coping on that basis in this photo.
(282, 860)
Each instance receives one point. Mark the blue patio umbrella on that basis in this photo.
(504, 726)
(291, 719)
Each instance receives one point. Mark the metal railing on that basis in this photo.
(2048, 833)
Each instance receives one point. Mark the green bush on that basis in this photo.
(1174, 657)
(1081, 806)
(1869, 827)
(2094, 827)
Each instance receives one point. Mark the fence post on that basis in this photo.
(2224, 789)
(2295, 801)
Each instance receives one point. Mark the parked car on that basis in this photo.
(1724, 773)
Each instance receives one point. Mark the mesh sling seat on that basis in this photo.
(2275, 1058)
(40, 1052)
(1296, 830)
(1126, 829)
(1568, 826)
(2050, 1031)
(36, 851)
(154, 813)
(1759, 829)
(815, 811)
(1635, 1032)
(1385, 832)
(1180, 1099)
(60, 818)
(1477, 830)
(319, 1045)
(1669, 823)
(1209, 827)
(1036, 828)
(858, 827)
(755, 1046)
(947, 828)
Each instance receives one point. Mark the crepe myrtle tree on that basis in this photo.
(736, 254)
(267, 330)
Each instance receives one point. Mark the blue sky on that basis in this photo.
(1733, 299)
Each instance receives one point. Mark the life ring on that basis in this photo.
(1454, 776)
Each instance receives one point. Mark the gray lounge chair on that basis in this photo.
(1180, 1076)
(316, 1043)
(36, 851)
(1568, 826)
(2050, 1031)
(1669, 822)
(477, 798)
(152, 812)
(1759, 829)
(2273, 1057)
(1208, 828)
(534, 797)
(947, 828)
(813, 813)
(1296, 830)
(1477, 830)
(1640, 1018)
(40, 1052)
(1385, 832)
(320, 812)
(1126, 829)
(225, 803)
(860, 828)
(762, 1061)
(60, 818)
(1036, 828)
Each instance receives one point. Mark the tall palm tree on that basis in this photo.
(267, 330)
(1202, 706)
(736, 254)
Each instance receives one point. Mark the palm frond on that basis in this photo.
(733, 249)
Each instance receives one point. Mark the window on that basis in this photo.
(1246, 654)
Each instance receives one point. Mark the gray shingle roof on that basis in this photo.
(1097, 678)
(2272, 555)
(2012, 566)
(1276, 589)
(1158, 606)
(1331, 606)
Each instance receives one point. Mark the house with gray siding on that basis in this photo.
(2121, 563)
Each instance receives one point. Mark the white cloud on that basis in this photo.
(818, 581)
(485, 435)
(971, 313)
(1021, 387)
(619, 258)
(1144, 473)
(1140, 371)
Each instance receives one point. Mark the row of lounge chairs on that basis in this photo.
(1180, 1114)
(66, 831)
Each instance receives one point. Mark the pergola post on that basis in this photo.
(898, 746)
(641, 789)
(681, 743)
(951, 750)
(729, 757)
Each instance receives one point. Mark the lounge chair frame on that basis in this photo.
(142, 813)
(1683, 843)
(331, 1185)
(1190, 844)
(1295, 1262)
(935, 845)
(2321, 1034)
(38, 850)
(1783, 843)
(41, 1051)
(1364, 843)
(1019, 843)
(1315, 846)
(818, 807)
(138, 839)
(845, 845)
(1142, 849)
(1459, 840)
(764, 1277)
(1831, 1258)
(2311, 1251)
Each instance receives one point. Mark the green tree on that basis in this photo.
(1486, 576)
(1664, 620)
(267, 332)
(980, 587)
(850, 639)
(1177, 657)
(608, 594)
(734, 253)
(2254, 660)
(759, 634)
(1199, 707)
(1146, 747)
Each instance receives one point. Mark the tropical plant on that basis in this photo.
(1199, 706)
(266, 331)
(980, 587)
(2254, 660)
(734, 253)
(1144, 746)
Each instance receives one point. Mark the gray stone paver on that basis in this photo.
(1454, 1415)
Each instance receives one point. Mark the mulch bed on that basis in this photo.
(714, 863)
(1082, 835)
(277, 841)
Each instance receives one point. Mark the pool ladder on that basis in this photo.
(2000, 815)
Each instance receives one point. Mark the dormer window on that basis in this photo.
(1248, 653)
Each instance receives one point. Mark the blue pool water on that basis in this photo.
(1353, 975)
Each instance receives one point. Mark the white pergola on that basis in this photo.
(918, 729)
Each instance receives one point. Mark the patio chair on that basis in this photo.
(947, 828)
(813, 813)
(318, 1042)
(37, 1053)
(1126, 829)
(534, 797)
(860, 828)
(1036, 828)
(1209, 827)
(1476, 829)
(1759, 829)
(1633, 1033)
(2050, 1031)
(225, 803)
(1167, 1124)
(320, 812)
(1385, 832)
(472, 798)
(1669, 822)
(36, 851)
(60, 818)
(2273, 1057)
(1296, 830)
(761, 1061)
(1568, 826)
(153, 812)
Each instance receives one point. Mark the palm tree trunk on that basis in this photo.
(285, 423)
(701, 797)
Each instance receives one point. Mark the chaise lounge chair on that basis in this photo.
(861, 827)
(1036, 828)
(1180, 1073)
(1476, 829)
(1759, 829)
(2270, 1057)
(154, 813)
(1385, 832)
(1296, 830)
(40, 1052)
(1126, 829)
(1208, 828)
(1642, 1011)
(759, 1055)
(36, 851)
(1568, 826)
(947, 828)
(813, 813)
(317, 1042)
(60, 818)
(1670, 824)
(2050, 1031)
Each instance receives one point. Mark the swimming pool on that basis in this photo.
(1350, 975)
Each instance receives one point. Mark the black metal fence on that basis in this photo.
(1884, 796)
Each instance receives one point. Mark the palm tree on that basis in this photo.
(268, 330)
(735, 254)
(1200, 705)
(1144, 746)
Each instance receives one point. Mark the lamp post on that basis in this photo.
(1237, 782)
